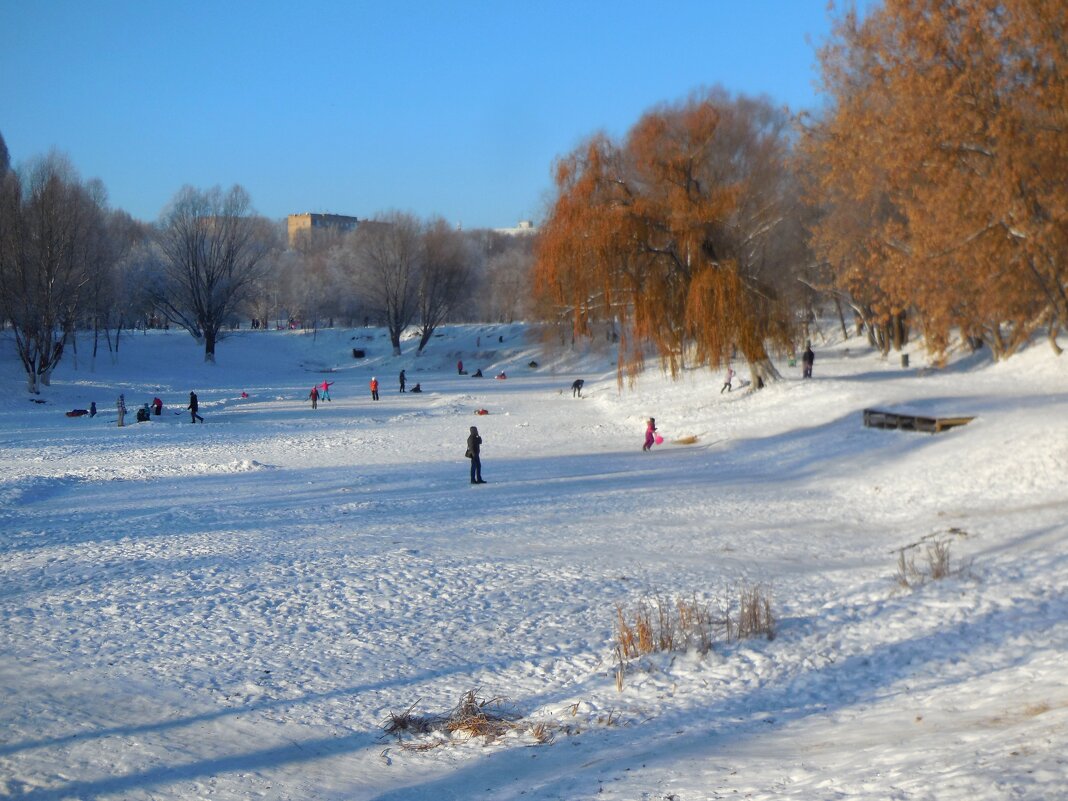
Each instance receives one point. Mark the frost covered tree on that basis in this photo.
(444, 276)
(213, 249)
(388, 255)
(53, 240)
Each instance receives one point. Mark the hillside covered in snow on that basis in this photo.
(242, 608)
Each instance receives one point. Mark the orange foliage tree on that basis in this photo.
(677, 236)
(949, 136)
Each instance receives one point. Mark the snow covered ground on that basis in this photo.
(234, 610)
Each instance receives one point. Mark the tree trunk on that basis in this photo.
(841, 317)
(899, 330)
(424, 338)
(762, 372)
(209, 347)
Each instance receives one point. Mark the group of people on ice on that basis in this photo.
(320, 392)
(144, 412)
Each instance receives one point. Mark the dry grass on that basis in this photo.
(936, 554)
(754, 614)
(688, 624)
(473, 716)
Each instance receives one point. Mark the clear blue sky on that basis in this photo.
(454, 109)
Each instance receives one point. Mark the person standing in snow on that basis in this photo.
(474, 450)
(157, 406)
(650, 433)
(314, 395)
(324, 390)
(460, 367)
(374, 388)
(92, 408)
(728, 379)
(807, 358)
(402, 381)
(193, 407)
(120, 405)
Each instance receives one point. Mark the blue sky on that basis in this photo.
(454, 109)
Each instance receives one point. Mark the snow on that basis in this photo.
(234, 610)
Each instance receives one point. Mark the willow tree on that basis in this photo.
(956, 113)
(675, 235)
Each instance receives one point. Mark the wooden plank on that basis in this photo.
(873, 418)
(952, 422)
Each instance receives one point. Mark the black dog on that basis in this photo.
(576, 388)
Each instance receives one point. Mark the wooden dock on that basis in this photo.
(873, 418)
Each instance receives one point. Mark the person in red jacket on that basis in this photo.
(374, 388)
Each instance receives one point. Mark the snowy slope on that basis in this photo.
(233, 610)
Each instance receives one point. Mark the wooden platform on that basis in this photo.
(873, 418)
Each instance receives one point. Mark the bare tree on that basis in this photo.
(506, 282)
(445, 275)
(5, 157)
(213, 248)
(388, 256)
(122, 295)
(52, 238)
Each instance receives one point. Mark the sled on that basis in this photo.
(689, 440)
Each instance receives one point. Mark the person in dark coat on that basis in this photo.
(474, 449)
(92, 409)
(576, 388)
(807, 358)
(193, 407)
(402, 381)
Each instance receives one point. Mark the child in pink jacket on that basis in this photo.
(650, 433)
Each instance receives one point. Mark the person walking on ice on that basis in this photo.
(120, 406)
(474, 449)
(324, 390)
(314, 395)
(728, 379)
(807, 359)
(193, 407)
(374, 388)
(650, 433)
